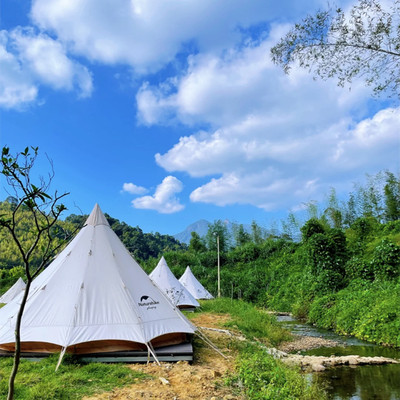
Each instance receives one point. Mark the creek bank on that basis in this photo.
(320, 363)
(312, 363)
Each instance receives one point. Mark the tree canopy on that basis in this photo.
(363, 42)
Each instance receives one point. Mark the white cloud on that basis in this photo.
(373, 142)
(49, 63)
(276, 140)
(319, 162)
(164, 199)
(243, 85)
(264, 189)
(16, 87)
(133, 189)
(149, 34)
(28, 60)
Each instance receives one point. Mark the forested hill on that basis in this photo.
(141, 245)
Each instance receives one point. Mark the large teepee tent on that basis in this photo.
(14, 291)
(196, 289)
(94, 297)
(167, 282)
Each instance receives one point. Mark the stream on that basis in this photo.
(367, 382)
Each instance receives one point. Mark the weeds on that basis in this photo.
(253, 323)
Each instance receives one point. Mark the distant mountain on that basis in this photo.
(201, 227)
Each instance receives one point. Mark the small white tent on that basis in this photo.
(196, 289)
(167, 282)
(14, 291)
(94, 297)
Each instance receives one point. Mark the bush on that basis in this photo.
(386, 260)
(267, 378)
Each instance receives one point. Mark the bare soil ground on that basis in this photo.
(202, 380)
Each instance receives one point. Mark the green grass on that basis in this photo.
(252, 322)
(264, 378)
(39, 381)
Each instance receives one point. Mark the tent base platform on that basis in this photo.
(174, 353)
(178, 352)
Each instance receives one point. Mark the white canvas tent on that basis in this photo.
(167, 282)
(195, 288)
(14, 291)
(94, 297)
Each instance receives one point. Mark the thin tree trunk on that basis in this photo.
(17, 353)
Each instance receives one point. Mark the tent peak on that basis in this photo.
(97, 217)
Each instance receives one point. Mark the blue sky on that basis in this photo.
(166, 112)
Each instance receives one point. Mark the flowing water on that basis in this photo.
(367, 382)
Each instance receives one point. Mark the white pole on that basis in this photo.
(219, 269)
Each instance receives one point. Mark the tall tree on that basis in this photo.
(196, 244)
(370, 197)
(44, 210)
(333, 213)
(392, 197)
(291, 227)
(365, 42)
(240, 235)
(217, 229)
(256, 233)
(350, 212)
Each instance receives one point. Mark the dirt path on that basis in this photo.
(203, 380)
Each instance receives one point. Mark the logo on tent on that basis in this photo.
(147, 301)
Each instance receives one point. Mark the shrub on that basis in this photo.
(267, 378)
(386, 260)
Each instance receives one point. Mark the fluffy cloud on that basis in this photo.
(133, 189)
(277, 140)
(240, 85)
(16, 86)
(319, 162)
(28, 60)
(148, 34)
(49, 63)
(164, 199)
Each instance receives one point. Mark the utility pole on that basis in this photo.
(219, 269)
